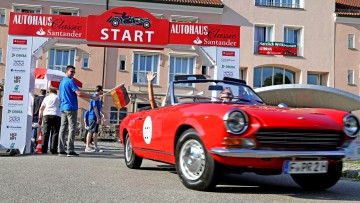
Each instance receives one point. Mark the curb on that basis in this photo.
(351, 174)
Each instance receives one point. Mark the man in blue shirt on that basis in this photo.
(68, 108)
(95, 120)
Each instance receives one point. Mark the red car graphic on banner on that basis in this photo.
(123, 19)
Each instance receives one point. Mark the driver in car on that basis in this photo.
(226, 95)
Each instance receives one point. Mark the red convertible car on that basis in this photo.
(205, 136)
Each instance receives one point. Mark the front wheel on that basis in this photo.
(320, 181)
(194, 165)
(131, 159)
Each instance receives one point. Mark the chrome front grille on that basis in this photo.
(283, 139)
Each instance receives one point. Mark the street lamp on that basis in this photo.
(133, 100)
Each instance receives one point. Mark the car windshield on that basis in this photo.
(220, 91)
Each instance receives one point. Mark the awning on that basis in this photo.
(309, 96)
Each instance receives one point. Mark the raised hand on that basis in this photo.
(150, 76)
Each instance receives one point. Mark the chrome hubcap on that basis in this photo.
(128, 150)
(192, 159)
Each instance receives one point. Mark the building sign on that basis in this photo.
(277, 48)
(127, 25)
(204, 34)
(46, 25)
(15, 112)
(228, 63)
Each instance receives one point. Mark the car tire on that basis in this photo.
(146, 24)
(320, 181)
(131, 159)
(195, 167)
(115, 23)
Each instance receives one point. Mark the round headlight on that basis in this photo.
(236, 121)
(351, 125)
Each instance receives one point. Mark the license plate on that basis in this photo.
(301, 167)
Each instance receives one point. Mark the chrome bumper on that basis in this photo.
(247, 153)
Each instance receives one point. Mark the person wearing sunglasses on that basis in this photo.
(69, 92)
(226, 95)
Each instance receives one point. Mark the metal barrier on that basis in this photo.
(109, 129)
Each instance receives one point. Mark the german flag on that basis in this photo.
(120, 97)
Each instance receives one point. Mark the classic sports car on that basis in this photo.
(205, 136)
(129, 20)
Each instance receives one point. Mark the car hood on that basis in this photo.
(304, 118)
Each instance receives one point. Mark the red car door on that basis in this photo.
(149, 125)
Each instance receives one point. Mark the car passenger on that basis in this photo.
(226, 95)
(150, 77)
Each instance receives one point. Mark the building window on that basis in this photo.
(25, 8)
(263, 33)
(351, 41)
(268, 76)
(57, 10)
(60, 58)
(143, 63)
(181, 65)
(242, 74)
(184, 19)
(2, 16)
(350, 77)
(293, 35)
(280, 3)
(85, 60)
(1, 55)
(122, 62)
(204, 70)
(116, 116)
(314, 79)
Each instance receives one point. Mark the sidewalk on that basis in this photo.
(104, 145)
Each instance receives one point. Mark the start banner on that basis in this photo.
(127, 25)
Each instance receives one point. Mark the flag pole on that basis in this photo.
(122, 84)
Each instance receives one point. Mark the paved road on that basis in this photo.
(103, 177)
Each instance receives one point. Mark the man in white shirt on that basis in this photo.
(49, 117)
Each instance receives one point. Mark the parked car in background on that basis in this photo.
(205, 136)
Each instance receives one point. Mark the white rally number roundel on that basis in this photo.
(147, 130)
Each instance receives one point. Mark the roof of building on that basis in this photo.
(203, 3)
(348, 8)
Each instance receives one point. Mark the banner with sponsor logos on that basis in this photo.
(46, 25)
(277, 48)
(16, 108)
(228, 62)
(204, 34)
(127, 25)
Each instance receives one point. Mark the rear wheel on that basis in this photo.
(194, 165)
(131, 159)
(320, 181)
